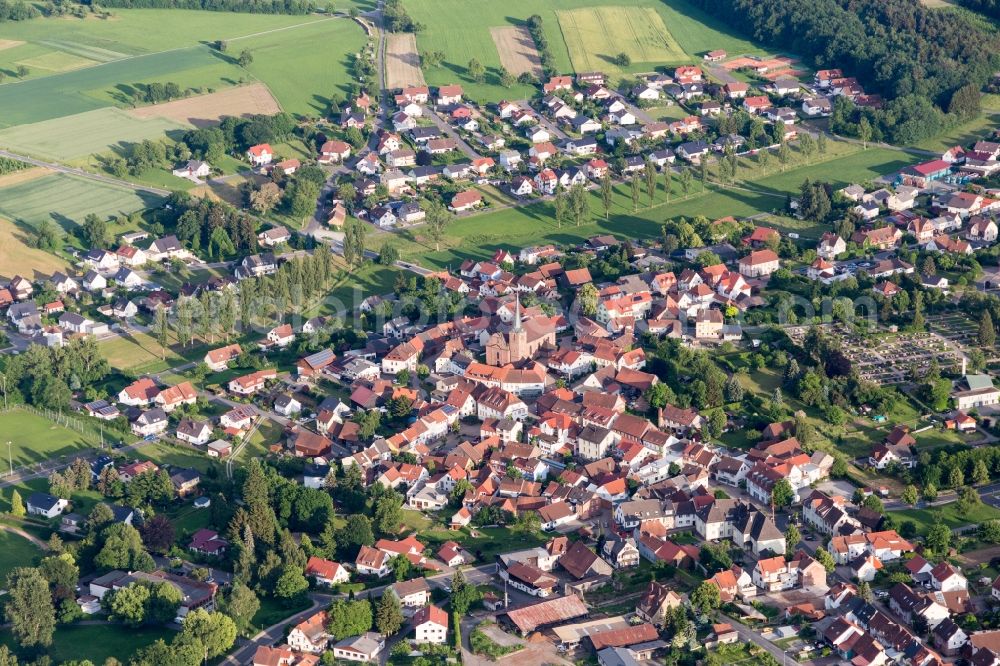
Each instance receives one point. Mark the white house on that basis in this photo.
(430, 625)
(43, 504)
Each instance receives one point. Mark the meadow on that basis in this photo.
(129, 32)
(461, 29)
(35, 438)
(15, 551)
(292, 56)
(71, 138)
(478, 236)
(67, 200)
(304, 66)
(97, 643)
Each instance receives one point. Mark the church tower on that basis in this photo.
(518, 336)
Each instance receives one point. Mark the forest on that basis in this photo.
(920, 60)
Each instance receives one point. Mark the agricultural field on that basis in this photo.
(66, 200)
(35, 438)
(17, 257)
(172, 46)
(402, 61)
(51, 45)
(594, 35)
(287, 62)
(517, 50)
(462, 30)
(70, 138)
(91, 88)
(205, 110)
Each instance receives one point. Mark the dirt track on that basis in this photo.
(203, 110)
(517, 50)
(402, 61)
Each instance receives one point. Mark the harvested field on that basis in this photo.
(402, 61)
(9, 43)
(517, 50)
(19, 258)
(23, 176)
(205, 110)
(743, 62)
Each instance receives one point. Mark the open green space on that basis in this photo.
(969, 132)
(138, 352)
(285, 57)
(129, 32)
(81, 90)
(96, 642)
(461, 29)
(305, 65)
(66, 200)
(595, 35)
(35, 438)
(478, 236)
(78, 136)
(947, 514)
(15, 551)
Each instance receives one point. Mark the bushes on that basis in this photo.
(484, 645)
(246, 6)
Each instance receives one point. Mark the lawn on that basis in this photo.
(66, 200)
(947, 514)
(855, 166)
(35, 438)
(177, 455)
(138, 350)
(15, 551)
(595, 35)
(461, 29)
(97, 643)
(305, 65)
(84, 134)
(18, 258)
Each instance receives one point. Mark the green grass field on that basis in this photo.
(969, 132)
(947, 514)
(79, 136)
(70, 93)
(594, 35)
(478, 236)
(15, 551)
(67, 200)
(34, 438)
(130, 32)
(97, 643)
(304, 66)
(461, 29)
(292, 55)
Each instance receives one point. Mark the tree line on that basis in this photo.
(242, 6)
(919, 59)
(17, 11)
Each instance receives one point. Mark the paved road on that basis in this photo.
(448, 130)
(61, 168)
